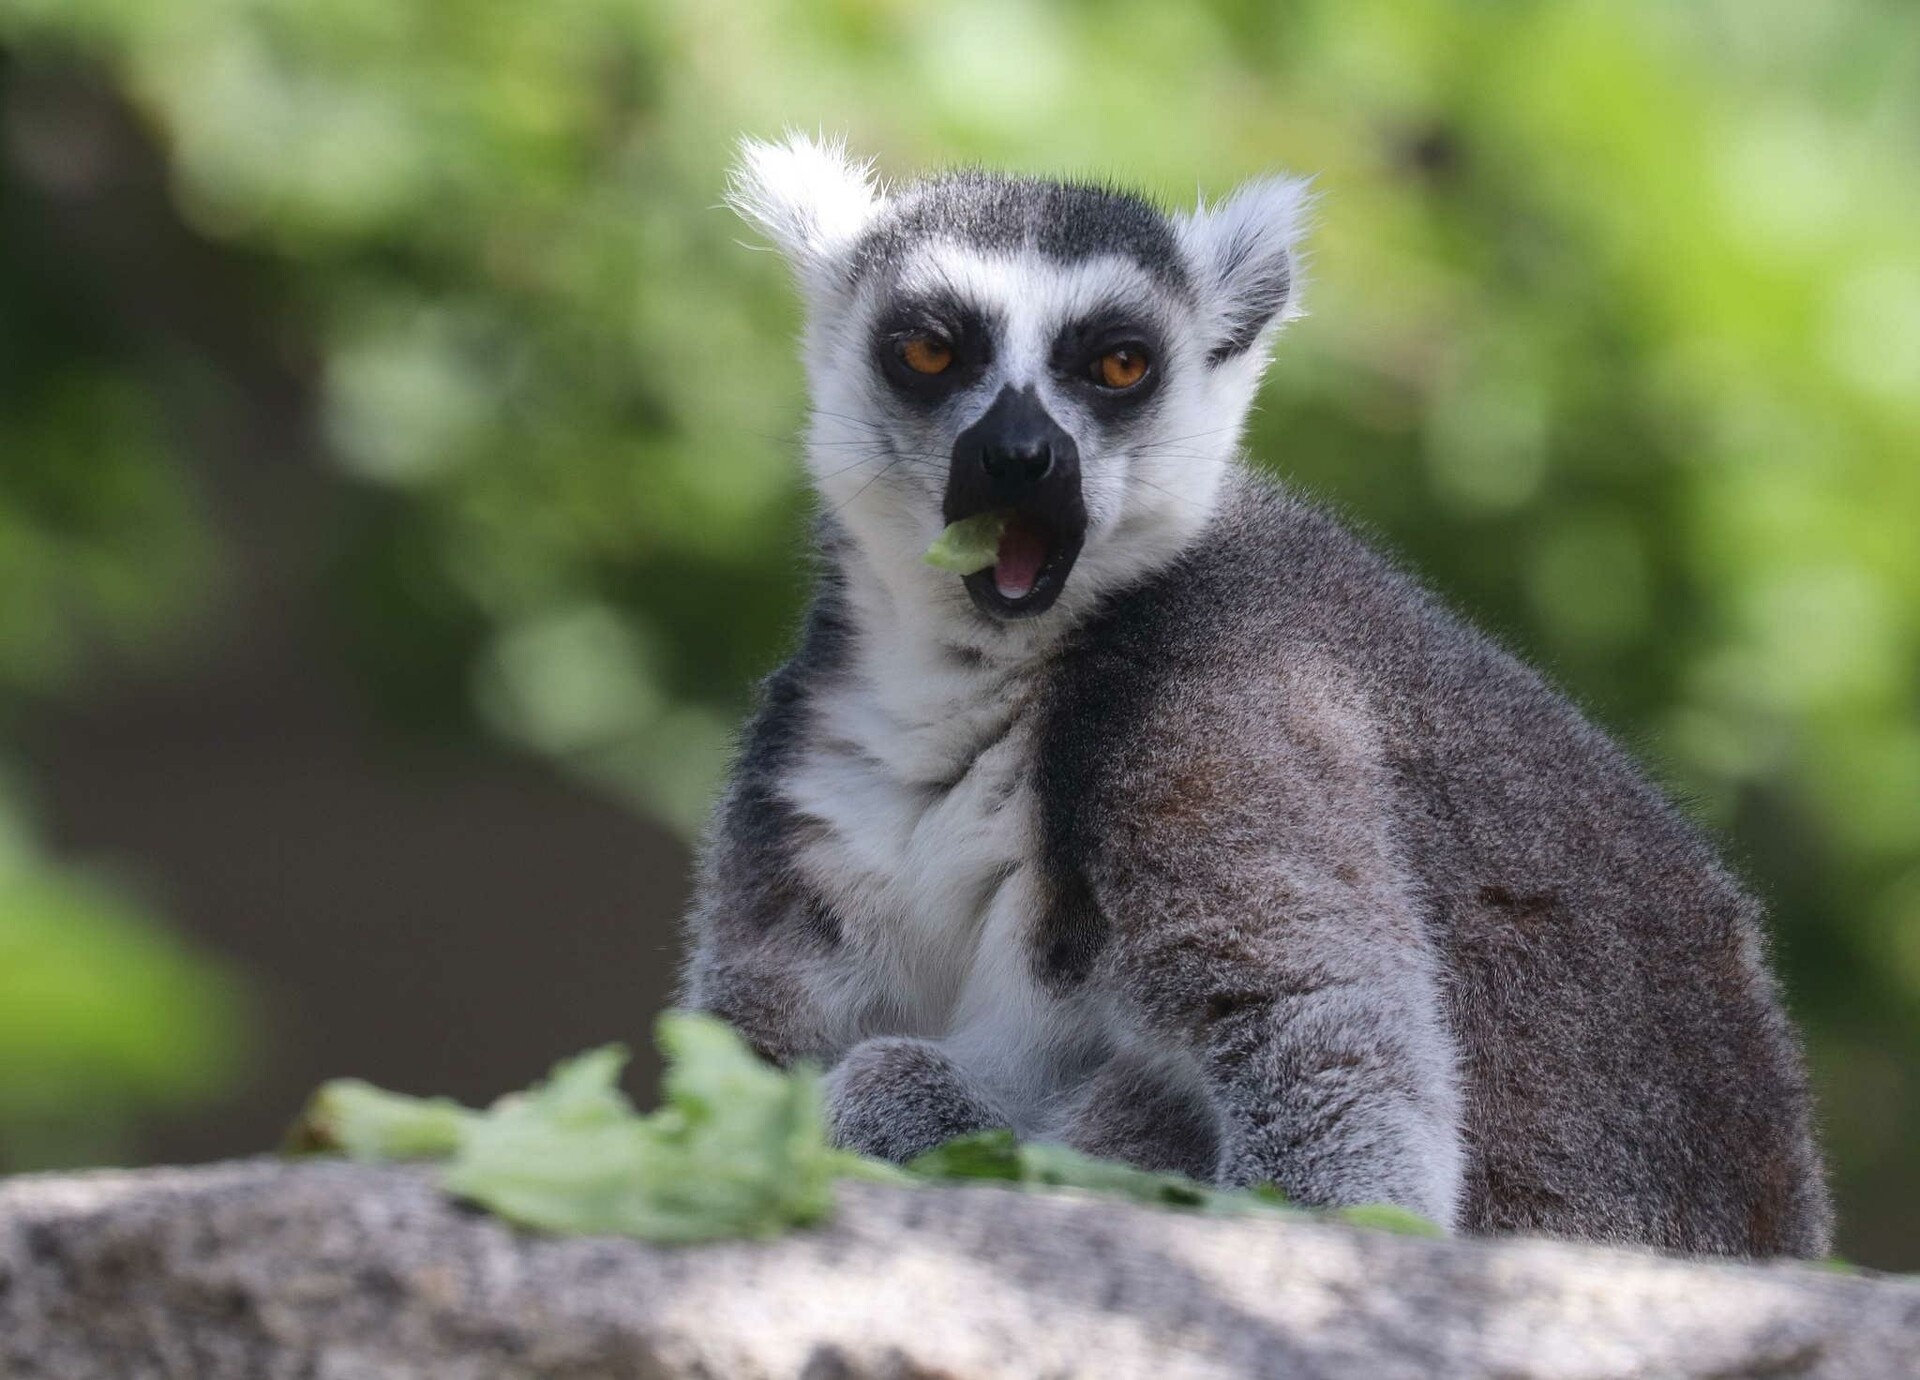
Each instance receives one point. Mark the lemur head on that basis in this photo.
(1068, 355)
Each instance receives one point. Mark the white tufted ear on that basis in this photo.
(1243, 253)
(809, 196)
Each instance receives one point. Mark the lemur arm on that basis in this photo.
(757, 938)
(758, 935)
(762, 945)
(754, 983)
(1260, 917)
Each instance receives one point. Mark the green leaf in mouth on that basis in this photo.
(968, 545)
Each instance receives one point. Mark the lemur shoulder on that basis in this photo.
(1191, 832)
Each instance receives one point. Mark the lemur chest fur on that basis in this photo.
(915, 792)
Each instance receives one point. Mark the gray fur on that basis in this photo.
(1062, 220)
(895, 1097)
(1249, 861)
(1148, 1107)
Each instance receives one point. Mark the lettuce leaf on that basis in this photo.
(998, 1155)
(363, 1122)
(737, 1148)
(968, 545)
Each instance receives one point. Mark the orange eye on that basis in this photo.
(926, 354)
(1120, 368)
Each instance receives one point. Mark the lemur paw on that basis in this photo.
(894, 1097)
(1424, 1177)
(1147, 1111)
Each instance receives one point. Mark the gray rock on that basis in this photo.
(328, 1271)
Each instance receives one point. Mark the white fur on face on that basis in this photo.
(1149, 484)
(881, 467)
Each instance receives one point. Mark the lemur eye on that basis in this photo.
(1120, 368)
(926, 354)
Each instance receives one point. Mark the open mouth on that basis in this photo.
(1029, 570)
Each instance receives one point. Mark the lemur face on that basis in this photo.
(1068, 356)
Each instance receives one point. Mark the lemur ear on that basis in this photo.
(809, 196)
(1243, 253)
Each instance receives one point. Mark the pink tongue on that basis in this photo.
(1023, 550)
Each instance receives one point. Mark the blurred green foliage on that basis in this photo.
(1615, 336)
(102, 1017)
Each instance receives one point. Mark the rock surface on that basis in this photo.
(260, 1270)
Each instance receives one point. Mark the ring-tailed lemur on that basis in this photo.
(1191, 832)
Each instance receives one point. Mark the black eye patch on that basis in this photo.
(1080, 345)
(959, 326)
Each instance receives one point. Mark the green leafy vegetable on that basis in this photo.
(1388, 1217)
(968, 545)
(363, 1122)
(983, 1155)
(737, 1149)
(997, 1155)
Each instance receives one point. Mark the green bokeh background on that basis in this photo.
(1613, 334)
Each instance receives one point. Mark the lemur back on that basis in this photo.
(1626, 1070)
(1229, 851)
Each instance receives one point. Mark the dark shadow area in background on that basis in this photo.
(444, 923)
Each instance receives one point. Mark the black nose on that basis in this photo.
(1024, 459)
(1012, 453)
